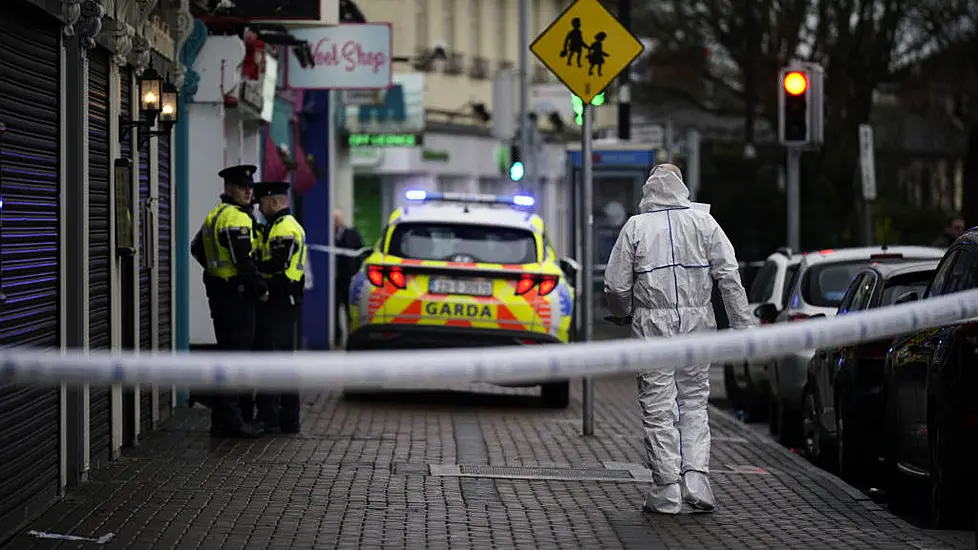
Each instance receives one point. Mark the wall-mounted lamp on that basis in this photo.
(158, 99)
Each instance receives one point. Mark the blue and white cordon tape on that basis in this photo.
(502, 364)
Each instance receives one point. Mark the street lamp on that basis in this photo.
(158, 99)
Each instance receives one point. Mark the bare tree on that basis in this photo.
(859, 42)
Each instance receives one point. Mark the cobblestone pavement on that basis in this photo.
(382, 472)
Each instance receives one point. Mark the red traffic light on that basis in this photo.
(795, 83)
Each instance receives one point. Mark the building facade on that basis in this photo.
(86, 238)
(452, 51)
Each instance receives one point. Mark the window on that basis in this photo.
(475, 23)
(421, 25)
(846, 304)
(450, 27)
(936, 287)
(963, 272)
(503, 21)
(790, 274)
(463, 243)
(762, 289)
(824, 284)
(900, 285)
(863, 292)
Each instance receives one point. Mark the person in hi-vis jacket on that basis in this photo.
(661, 273)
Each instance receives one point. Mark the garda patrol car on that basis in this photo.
(458, 270)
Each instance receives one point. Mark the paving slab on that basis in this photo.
(463, 467)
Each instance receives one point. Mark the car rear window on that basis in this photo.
(825, 284)
(453, 242)
(763, 286)
(789, 282)
(899, 285)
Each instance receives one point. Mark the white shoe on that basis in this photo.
(697, 491)
(664, 499)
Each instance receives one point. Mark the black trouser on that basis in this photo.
(276, 331)
(342, 309)
(234, 329)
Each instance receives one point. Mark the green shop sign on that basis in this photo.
(385, 140)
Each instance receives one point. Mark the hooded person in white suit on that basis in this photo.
(661, 273)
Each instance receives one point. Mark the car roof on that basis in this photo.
(864, 253)
(496, 215)
(887, 270)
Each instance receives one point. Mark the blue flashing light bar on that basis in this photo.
(516, 200)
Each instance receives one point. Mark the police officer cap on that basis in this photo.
(239, 175)
(269, 188)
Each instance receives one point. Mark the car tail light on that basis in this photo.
(546, 284)
(396, 277)
(377, 273)
(826, 251)
(524, 285)
(797, 317)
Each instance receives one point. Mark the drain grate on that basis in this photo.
(533, 473)
(525, 471)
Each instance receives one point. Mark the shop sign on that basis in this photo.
(434, 156)
(269, 80)
(385, 140)
(348, 57)
(251, 95)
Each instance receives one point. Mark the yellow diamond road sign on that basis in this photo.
(586, 48)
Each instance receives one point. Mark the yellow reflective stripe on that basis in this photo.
(213, 251)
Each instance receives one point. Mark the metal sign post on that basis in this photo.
(587, 261)
(561, 47)
(794, 198)
(867, 165)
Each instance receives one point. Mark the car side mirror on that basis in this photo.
(766, 312)
(570, 268)
(911, 296)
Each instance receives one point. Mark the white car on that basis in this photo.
(821, 282)
(746, 383)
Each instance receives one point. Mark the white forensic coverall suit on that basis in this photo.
(661, 272)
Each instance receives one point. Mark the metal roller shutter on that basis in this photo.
(29, 253)
(99, 289)
(145, 296)
(165, 288)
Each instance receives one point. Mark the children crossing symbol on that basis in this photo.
(586, 48)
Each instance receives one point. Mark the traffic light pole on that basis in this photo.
(624, 92)
(587, 262)
(525, 139)
(793, 188)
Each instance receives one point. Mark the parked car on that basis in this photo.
(821, 282)
(746, 383)
(930, 394)
(842, 408)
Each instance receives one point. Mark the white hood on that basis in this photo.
(663, 189)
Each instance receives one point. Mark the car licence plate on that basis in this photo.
(467, 287)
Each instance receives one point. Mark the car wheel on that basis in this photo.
(735, 395)
(950, 505)
(815, 446)
(555, 395)
(851, 452)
